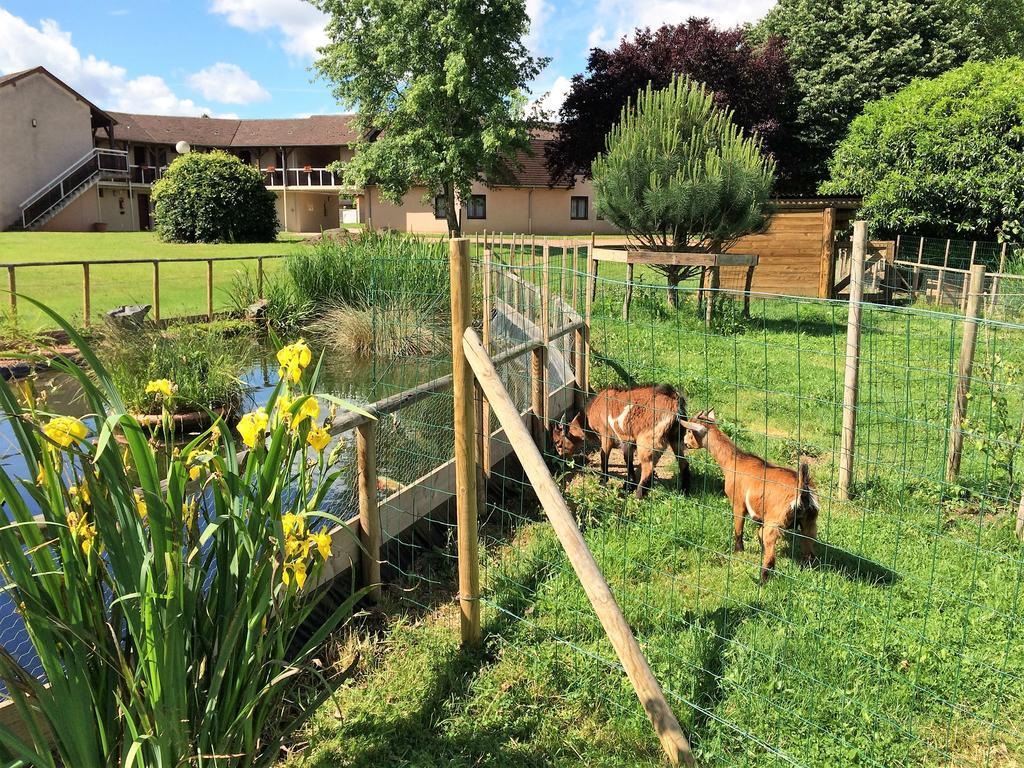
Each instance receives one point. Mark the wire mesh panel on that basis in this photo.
(900, 645)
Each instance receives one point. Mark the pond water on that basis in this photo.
(357, 380)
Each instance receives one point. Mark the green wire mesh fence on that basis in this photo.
(901, 645)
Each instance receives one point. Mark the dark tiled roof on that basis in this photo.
(530, 168)
(165, 129)
(318, 130)
(314, 131)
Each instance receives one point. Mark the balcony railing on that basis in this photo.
(301, 177)
(146, 174)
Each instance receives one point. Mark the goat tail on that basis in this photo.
(806, 501)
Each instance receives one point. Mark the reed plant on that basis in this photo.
(285, 310)
(391, 329)
(165, 607)
(205, 365)
(370, 269)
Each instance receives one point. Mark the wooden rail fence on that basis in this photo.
(87, 275)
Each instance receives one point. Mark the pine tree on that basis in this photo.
(678, 174)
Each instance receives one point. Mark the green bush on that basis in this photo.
(166, 607)
(213, 197)
(677, 172)
(942, 156)
(203, 363)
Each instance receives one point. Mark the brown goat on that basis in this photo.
(778, 498)
(643, 420)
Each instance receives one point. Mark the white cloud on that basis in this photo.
(539, 12)
(23, 46)
(551, 101)
(299, 23)
(228, 84)
(620, 17)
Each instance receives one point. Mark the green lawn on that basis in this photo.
(182, 286)
(903, 647)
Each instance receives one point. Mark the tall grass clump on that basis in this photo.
(377, 267)
(205, 365)
(399, 329)
(285, 311)
(165, 607)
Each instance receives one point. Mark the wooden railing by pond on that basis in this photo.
(87, 265)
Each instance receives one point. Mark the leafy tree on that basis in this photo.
(678, 174)
(210, 197)
(438, 88)
(845, 54)
(752, 80)
(942, 155)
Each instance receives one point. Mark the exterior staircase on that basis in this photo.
(98, 164)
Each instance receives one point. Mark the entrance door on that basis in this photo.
(143, 203)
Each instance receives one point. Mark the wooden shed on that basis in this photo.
(796, 251)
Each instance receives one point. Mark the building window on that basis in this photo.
(476, 207)
(578, 208)
(440, 207)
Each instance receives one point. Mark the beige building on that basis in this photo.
(71, 166)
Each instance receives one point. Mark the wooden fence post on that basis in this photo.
(1020, 518)
(859, 251)
(485, 407)
(369, 514)
(259, 278)
(12, 287)
(86, 296)
(963, 384)
(942, 274)
(466, 498)
(627, 298)
(966, 287)
(592, 267)
(539, 362)
(827, 266)
(588, 308)
(156, 290)
(917, 269)
(995, 281)
(209, 290)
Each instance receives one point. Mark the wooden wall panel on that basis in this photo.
(790, 252)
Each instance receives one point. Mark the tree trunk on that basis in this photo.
(672, 296)
(454, 226)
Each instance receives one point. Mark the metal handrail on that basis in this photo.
(94, 152)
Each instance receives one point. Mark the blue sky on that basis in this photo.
(251, 58)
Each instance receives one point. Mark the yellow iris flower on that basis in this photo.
(293, 360)
(322, 541)
(298, 568)
(252, 425)
(140, 505)
(310, 409)
(319, 438)
(82, 531)
(64, 430)
(163, 387)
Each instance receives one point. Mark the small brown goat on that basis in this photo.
(776, 497)
(643, 420)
